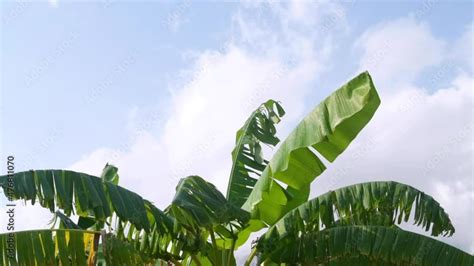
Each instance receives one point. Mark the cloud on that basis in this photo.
(175, 18)
(24, 214)
(199, 134)
(278, 51)
(225, 87)
(295, 30)
(462, 50)
(426, 144)
(416, 137)
(53, 3)
(399, 50)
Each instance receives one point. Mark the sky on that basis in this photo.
(159, 89)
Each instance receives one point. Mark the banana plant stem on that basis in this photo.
(250, 257)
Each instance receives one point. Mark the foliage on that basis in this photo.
(357, 224)
(247, 156)
(48, 247)
(362, 245)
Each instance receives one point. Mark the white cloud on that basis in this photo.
(426, 144)
(462, 50)
(175, 18)
(399, 50)
(419, 138)
(26, 217)
(409, 140)
(206, 112)
(53, 3)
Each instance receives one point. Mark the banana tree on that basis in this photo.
(96, 219)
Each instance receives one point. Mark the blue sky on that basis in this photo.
(155, 87)
(97, 38)
(96, 41)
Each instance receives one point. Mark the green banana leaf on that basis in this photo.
(96, 198)
(64, 221)
(110, 174)
(328, 130)
(48, 247)
(247, 157)
(119, 252)
(78, 193)
(198, 203)
(360, 245)
(176, 244)
(372, 203)
(201, 208)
